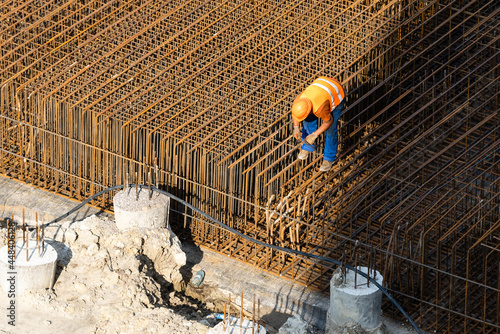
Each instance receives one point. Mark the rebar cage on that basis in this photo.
(198, 95)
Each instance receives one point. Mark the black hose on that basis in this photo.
(232, 230)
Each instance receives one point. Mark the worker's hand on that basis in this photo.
(296, 132)
(311, 138)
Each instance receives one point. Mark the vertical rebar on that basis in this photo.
(156, 176)
(355, 271)
(368, 269)
(24, 228)
(224, 318)
(229, 311)
(136, 187)
(149, 186)
(43, 238)
(253, 315)
(241, 313)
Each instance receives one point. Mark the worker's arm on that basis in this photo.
(297, 134)
(324, 112)
(323, 127)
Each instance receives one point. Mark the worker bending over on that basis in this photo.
(324, 99)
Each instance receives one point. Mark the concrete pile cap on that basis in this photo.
(35, 273)
(140, 209)
(355, 305)
(49, 255)
(129, 201)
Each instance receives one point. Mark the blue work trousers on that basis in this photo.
(310, 124)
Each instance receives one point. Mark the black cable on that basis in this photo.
(82, 204)
(230, 229)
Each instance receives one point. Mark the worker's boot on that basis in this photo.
(326, 166)
(303, 154)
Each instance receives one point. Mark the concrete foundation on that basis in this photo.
(351, 307)
(136, 209)
(32, 274)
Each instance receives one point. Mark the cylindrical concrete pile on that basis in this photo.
(140, 208)
(31, 270)
(355, 304)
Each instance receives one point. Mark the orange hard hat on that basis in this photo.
(301, 108)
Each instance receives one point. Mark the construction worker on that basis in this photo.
(324, 99)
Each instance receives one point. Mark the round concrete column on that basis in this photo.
(35, 273)
(360, 306)
(134, 210)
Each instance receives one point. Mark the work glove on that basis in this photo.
(311, 138)
(296, 132)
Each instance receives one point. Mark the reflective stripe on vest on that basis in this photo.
(332, 101)
(334, 87)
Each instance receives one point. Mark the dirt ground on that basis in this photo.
(111, 282)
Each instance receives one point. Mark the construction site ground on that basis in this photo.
(121, 292)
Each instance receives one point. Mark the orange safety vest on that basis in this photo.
(323, 89)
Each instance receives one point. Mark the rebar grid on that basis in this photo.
(93, 91)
